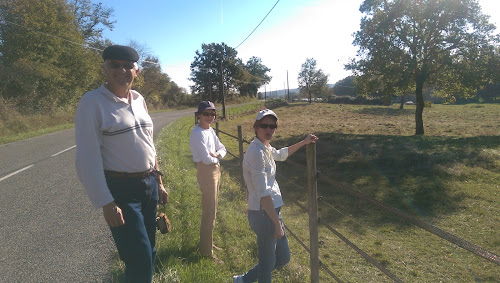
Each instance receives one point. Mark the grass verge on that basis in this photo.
(449, 178)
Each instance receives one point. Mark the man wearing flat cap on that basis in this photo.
(116, 161)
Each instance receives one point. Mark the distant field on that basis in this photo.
(450, 178)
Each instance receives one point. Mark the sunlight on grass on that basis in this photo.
(449, 178)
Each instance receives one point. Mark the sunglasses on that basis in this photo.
(208, 114)
(271, 126)
(127, 66)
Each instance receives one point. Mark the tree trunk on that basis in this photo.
(402, 102)
(419, 127)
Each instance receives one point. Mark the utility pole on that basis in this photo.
(287, 87)
(222, 85)
(210, 86)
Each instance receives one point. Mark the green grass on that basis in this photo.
(34, 133)
(15, 126)
(449, 178)
(178, 258)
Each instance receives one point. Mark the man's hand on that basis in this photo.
(113, 214)
(162, 195)
(278, 231)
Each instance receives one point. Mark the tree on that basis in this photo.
(48, 65)
(156, 86)
(152, 83)
(91, 19)
(254, 76)
(411, 44)
(214, 71)
(345, 87)
(312, 80)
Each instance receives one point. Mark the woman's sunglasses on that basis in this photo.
(271, 126)
(208, 114)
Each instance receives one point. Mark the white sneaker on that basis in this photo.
(238, 279)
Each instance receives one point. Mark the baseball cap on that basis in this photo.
(204, 105)
(120, 52)
(265, 112)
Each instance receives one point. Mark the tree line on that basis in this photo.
(50, 55)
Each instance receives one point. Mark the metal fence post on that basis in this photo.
(313, 211)
(217, 129)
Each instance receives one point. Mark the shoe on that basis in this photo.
(238, 279)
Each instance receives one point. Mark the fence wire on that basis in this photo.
(308, 251)
(471, 247)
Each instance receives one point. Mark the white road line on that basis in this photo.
(18, 171)
(55, 154)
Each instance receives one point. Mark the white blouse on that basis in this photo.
(259, 172)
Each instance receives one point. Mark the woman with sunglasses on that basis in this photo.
(207, 150)
(264, 197)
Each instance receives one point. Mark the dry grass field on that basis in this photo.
(449, 178)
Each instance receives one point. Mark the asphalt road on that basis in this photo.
(49, 231)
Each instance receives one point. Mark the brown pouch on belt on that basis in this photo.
(163, 223)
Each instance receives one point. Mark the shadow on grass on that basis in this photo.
(413, 174)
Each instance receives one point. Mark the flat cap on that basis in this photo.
(120, 52)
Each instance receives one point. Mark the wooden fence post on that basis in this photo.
(312, 176)
(217, 129)
(195, 119)
(240, 143)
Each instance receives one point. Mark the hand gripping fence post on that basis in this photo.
(313, 211)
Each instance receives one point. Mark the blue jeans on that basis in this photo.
(135, 240)
(273, 253)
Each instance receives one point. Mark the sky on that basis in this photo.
(173, 30)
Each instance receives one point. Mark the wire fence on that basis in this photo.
(471, 247)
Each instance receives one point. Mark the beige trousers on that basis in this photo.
(209, 181)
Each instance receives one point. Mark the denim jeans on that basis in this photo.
(272, 253)
(135, 240)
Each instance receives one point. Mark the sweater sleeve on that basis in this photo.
(219, 147)
(88, 159)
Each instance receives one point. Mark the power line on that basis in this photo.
(257, 25)
(54, 36)
(75, 43)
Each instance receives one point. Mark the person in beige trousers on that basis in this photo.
(207, 150)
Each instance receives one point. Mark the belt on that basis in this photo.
(124, 175)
